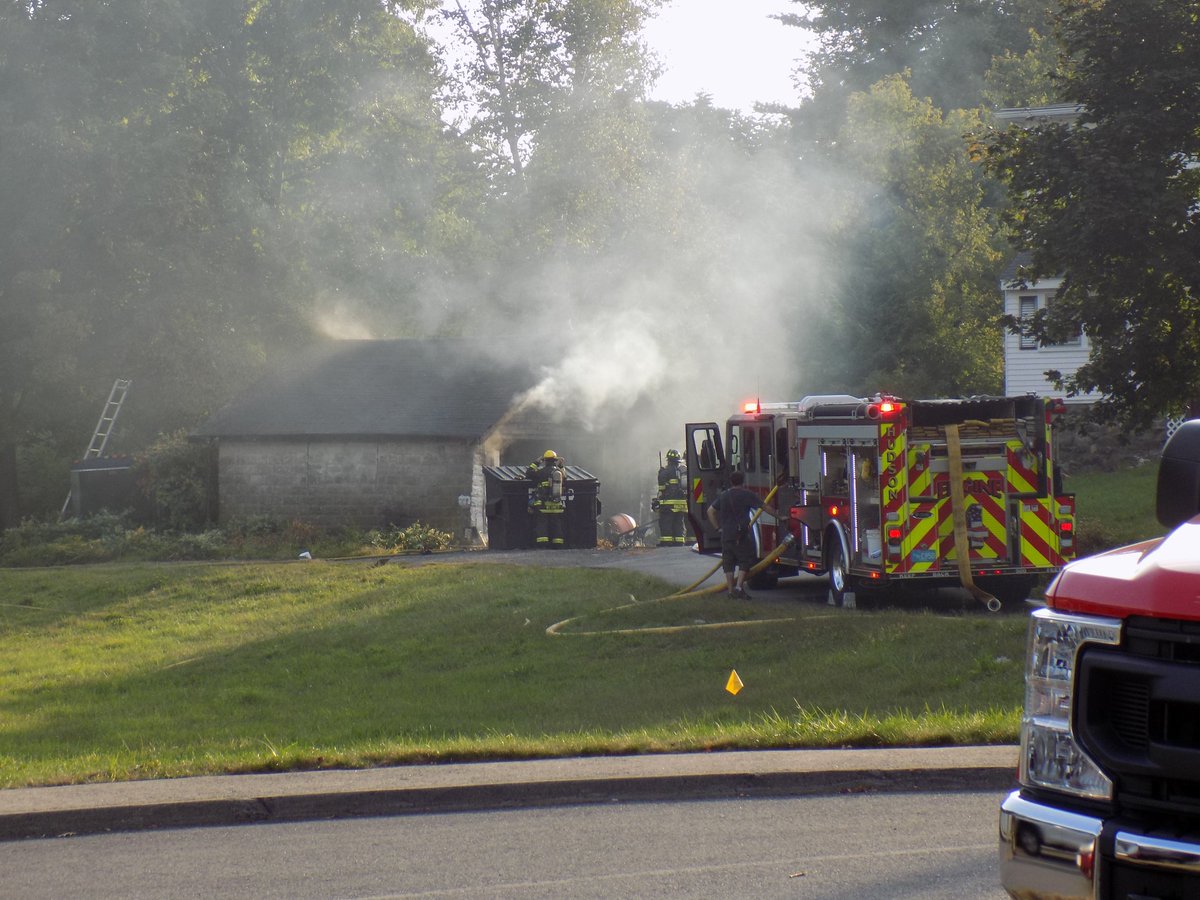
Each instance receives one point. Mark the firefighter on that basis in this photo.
(547, 502)
(671, 501)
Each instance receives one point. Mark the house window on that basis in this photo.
(1027, 305)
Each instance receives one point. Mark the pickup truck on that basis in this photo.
(1108, 803)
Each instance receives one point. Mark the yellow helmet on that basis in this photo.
(549, 454)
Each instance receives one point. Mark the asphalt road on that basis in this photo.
(678, 566)
(684, 567)
(897, 845)
(458, 787)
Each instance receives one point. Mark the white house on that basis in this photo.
(1026, 360)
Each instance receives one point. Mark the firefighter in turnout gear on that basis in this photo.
(671, 502)
(548, 501)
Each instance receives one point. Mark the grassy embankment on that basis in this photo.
(1115, 508)
(141, 670)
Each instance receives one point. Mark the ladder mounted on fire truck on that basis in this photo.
(104, 427)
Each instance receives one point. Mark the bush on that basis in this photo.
(107, 538)
(414, 537)
(94, 539)
(175, 475)
(44, 475)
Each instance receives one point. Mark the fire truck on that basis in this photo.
(884, 491)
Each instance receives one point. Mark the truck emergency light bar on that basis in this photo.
(753, 407)
(881, 406)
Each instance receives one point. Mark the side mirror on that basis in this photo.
(1179, 476)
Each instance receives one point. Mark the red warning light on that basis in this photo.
(1066, 526)
(834, 510)
(751, 406)
(893, 534)
(883, 409)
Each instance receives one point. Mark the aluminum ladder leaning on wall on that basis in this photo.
(104, 428)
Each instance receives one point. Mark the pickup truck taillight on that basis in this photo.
(1050, 756)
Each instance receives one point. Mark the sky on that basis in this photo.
(729, 49)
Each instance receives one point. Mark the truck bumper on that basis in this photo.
(1040, 848)
(1046, 852)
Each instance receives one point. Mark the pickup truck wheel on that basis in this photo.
(839, 579)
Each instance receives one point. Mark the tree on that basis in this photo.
(183, 186)
(1018, 79)
(945, 45)
(1112, 203)
(914, 310)
(522, 62)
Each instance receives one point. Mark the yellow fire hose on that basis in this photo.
(958, 515)
(760, 565)
(555, 630)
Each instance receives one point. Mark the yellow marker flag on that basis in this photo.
(734, 684)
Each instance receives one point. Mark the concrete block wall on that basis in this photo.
(364, 483)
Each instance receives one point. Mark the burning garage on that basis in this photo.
(375, 432)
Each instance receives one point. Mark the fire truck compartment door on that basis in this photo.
(708, 475)
(985, 510)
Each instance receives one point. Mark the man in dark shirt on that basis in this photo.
(730, 514)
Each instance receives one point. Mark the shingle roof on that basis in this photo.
(1008, 275)
(443, 387)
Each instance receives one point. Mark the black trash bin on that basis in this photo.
(583, 508)
(506, 499)
(509, 522)
(102, 483)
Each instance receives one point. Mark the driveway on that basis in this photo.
(680, 566)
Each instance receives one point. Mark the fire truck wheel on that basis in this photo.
(839, 579)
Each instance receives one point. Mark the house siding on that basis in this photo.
(1024, 369)
(365, 483)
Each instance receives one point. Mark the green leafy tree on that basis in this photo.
(549, 92)
(520, 63)
(185, 184)
(946, 45)
(1112, 203)
(915, 310)
(1027, 78)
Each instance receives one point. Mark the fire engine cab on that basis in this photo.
(886, 491)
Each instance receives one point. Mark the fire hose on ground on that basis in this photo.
(555, 630)
(758, 567)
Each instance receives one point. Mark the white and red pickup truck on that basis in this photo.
(1109, 798)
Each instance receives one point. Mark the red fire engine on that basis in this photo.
(885, 491)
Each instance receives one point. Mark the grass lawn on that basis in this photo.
(1115, 508)
(141, 670)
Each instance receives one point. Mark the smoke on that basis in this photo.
(686, 294)
(612, 360)
(698, 307)
(337, 320)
